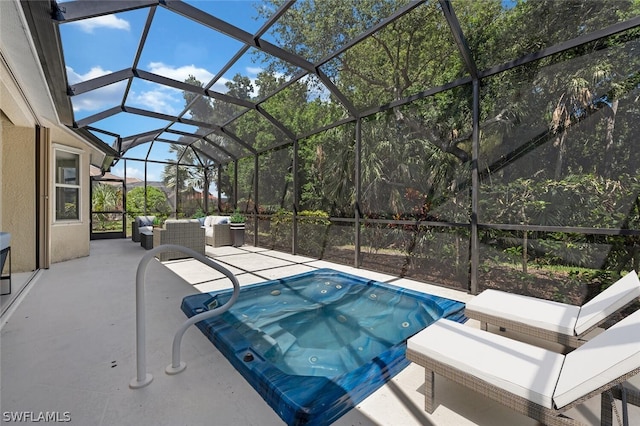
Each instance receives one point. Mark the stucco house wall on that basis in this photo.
(67, 239)
(18, 196)
(70, 239)
(25, 105)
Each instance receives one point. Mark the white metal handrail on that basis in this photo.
(143, 378)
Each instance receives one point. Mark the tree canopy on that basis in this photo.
(564, 108)
(556, 129)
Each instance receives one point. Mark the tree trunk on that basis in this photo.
(559, 142)
(525, 243)
(608, 146)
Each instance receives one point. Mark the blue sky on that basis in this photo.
(176, 47)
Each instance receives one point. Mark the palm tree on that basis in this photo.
(104, 198)
(190, 172)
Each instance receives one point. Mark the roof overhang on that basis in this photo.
(48, 45)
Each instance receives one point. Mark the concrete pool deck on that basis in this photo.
(68, 348)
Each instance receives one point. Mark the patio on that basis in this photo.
(68, 346)
(494, 149)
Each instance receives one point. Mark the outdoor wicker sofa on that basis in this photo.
(553, 321)
(531, 380)
(183, 232)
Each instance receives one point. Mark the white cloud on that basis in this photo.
(94, 72)
(107, 21)
(180, 73)
(162, 100)
(220, 86)
(133, 172)
(183, 72)
(254, 70)
(108, 96)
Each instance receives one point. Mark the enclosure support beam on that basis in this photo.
(219, 190)
(235, 184)
(256, 165)
(358, 188)
(125, 190)
(175, 190)
(296, 183)
(475, 185)
(145, 185)
(205, 191)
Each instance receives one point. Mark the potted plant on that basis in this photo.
(236, 225)
(158, 222)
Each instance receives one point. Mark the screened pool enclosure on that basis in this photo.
(466, 143)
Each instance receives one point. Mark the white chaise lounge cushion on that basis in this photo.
(540, 313)
(600, 361)
(615, 297)
(522, 369)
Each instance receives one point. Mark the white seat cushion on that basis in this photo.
(215, 220)
(145, 220)
(220, 220)
(545, 314)
(522, 369)
(614, 298)
(601, 360)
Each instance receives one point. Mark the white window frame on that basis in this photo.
(56, 185)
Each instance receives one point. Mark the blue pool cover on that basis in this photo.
(316, 344)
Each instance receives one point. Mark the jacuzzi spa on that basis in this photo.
(316, 344)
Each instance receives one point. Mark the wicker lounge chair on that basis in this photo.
(217, 231)
(552, 321)
(141, 223)
(626, 392)
(533, 381)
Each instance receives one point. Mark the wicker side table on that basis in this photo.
(146, 239)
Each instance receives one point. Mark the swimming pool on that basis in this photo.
(316, 344)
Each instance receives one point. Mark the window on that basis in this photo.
(67, 185)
